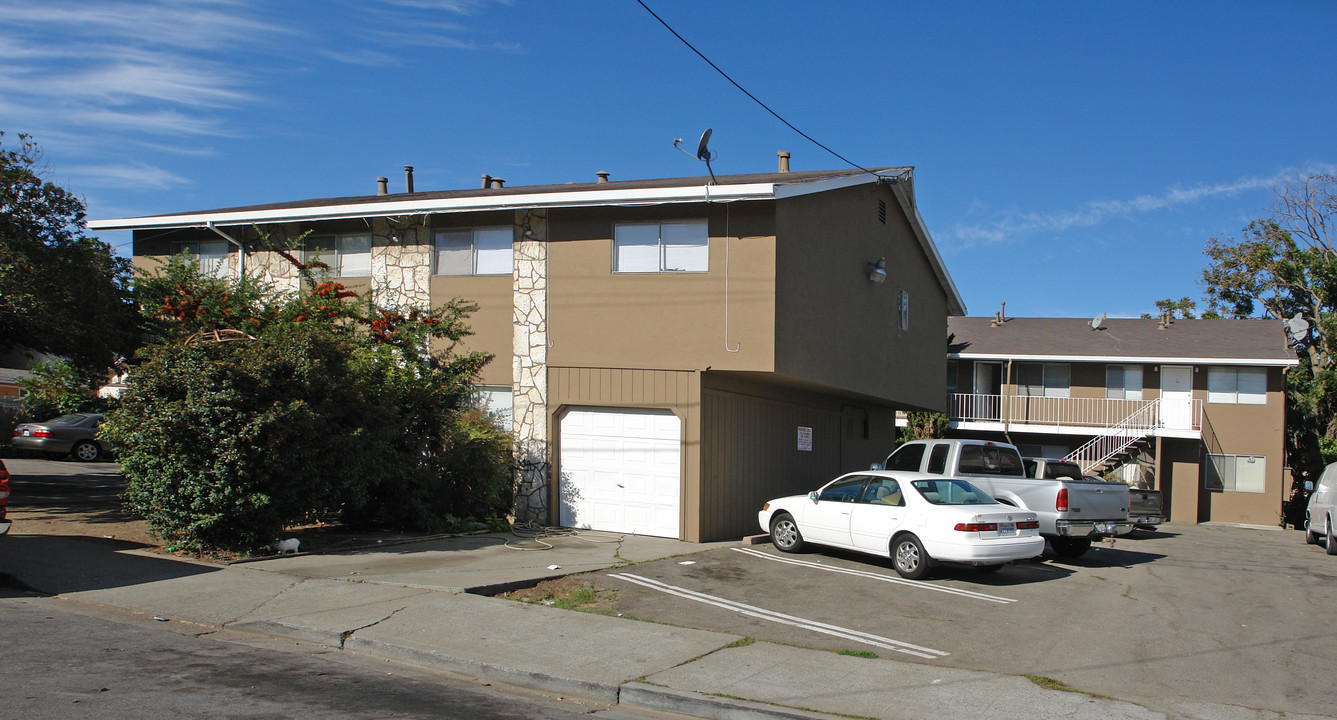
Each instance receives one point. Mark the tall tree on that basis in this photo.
(60, 292)
(1285, 266)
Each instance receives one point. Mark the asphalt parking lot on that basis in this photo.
(1208, 613)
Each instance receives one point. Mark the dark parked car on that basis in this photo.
(66, 435)
(4, 498)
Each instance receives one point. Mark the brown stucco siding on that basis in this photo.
(491, 324)
(663, 320)
(596, 387)
(1249, 430)
(835, 327)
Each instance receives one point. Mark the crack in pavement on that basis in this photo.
(343, 636)
(264, 602)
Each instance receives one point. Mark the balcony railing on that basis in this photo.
(1098, 414)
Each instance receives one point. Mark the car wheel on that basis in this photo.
(1311, 537)
(785, 534)
(1332, 545)
(909, 557)
(86, 451)
(1070, 547)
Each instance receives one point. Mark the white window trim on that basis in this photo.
(663, 249)
(1124, 392)
(1217, 375)
(333, 256)
(1260, 460)
(473, 250)
(1046, 390)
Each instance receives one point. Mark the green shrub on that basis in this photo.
(56, 389)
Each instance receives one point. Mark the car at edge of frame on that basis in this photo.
(74, 434)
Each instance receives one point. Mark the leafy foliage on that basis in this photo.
(1185, 307)
(55, 389)
(924, 426)
(255, 410)
(61, 293)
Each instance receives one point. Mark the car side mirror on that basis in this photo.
(877, 466)
(1309, 486)
(813, 496)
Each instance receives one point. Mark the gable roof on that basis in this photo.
(1201, 342)
(727, 188)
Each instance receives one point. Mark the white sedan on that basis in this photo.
(916, 520)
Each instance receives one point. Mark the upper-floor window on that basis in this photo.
(347, 255)
(1043, 379)
(668, 246)
(1123, 382)
(214, 256)
(474, 251)
(1245, 386)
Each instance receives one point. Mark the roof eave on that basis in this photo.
(1146, 359)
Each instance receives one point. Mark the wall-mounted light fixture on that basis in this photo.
(877, 272)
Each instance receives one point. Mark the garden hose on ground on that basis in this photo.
(533, 535)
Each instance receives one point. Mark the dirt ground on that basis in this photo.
(76, 499)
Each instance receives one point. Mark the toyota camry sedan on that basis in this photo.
(74, 434)
(916, 520)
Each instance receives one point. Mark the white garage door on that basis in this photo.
(620, 470)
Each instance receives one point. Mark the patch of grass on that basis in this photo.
(859, 654)
(567, 593)
(741, 642)
(1049, 683)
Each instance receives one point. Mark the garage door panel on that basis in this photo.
(621, 470)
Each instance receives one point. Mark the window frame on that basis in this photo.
(662, 249)
(313, 247)
(1217, 378)
(1048, 372)
(1213, 468)
(1122, 389)
(215, 266)
(475, 252)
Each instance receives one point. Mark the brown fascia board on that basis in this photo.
(1261, 342)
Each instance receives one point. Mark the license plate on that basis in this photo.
(1007, 529)
(26, 433)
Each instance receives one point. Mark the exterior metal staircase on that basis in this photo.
(1118, 438)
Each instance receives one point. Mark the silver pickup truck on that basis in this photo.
(1072, 511)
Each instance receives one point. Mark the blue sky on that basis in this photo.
(1071, 158)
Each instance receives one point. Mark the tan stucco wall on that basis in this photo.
(834, 326)
(676, 321)
(1249, 430)
(491, 324)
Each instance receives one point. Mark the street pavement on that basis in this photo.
(420, 603)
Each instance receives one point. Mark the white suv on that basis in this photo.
(1320, 515)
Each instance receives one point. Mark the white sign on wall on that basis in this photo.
(805, 439)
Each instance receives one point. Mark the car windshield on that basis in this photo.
(951, 492)
(76, 419)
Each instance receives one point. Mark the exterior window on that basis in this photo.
(347, 255)
(497, 401)
(1123, 382)
(1235, 473)
(213, 255)
(1245, 386)
(677, 246)
(951, 377)
(477, 251)
(904, 305)
(1043, 379)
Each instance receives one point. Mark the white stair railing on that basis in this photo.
(1118, 437)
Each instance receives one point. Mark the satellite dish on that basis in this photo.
(1098, 321)
(1297, 328)
(703, 152)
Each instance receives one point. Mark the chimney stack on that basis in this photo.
(602, 175)
(784, 161)
(487, 181)
(408, 178)
(382, 186)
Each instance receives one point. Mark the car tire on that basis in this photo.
(909, 557)
(785, 535)
(1311, 537)
(1332, 544)
(86, 451)
(1070, 547)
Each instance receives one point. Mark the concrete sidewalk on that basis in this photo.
(410, 603)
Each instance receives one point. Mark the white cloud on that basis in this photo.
(1014, 226)
(137, 173)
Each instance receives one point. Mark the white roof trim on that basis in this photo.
(630, 196)
(1129, 359)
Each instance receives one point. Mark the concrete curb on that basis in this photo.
(685, 702)
(295, 632)
(487, 671)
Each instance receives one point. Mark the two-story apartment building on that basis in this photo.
(673, 352)
(1194, 408)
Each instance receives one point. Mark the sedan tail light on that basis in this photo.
(1028, 525)
(977, 527)
(1061, 502)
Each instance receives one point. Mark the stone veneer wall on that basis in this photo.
(401, 263)
(530, 365)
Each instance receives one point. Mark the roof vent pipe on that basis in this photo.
(382, 186)
(498, 182)
(408, 178)
(487, 181)
(784, 161)
(602, 175)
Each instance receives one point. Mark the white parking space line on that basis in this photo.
(878, 576)
(798, 622)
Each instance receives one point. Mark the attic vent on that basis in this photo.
(882, 211)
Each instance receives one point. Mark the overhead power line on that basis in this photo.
(764, 106)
